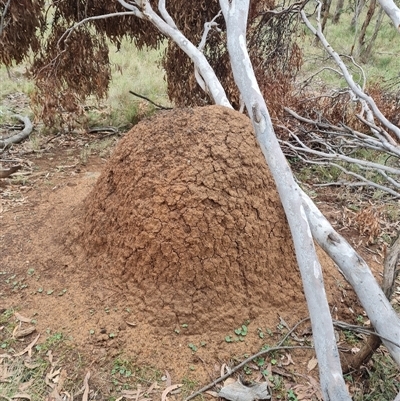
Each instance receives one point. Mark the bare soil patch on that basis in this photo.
(114, 262)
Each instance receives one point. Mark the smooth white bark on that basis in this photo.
(357, 273)
(392, 11)
(332, 383)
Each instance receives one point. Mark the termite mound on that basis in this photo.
(186, 221)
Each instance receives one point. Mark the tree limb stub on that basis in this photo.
(21, 135)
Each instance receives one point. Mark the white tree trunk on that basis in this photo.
(332, 383)
(393, 12)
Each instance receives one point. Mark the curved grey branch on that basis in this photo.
(214, 87)
(21, 135)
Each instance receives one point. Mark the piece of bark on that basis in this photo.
(239, 392)
(8, 172)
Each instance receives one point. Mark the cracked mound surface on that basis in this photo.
(186, 220)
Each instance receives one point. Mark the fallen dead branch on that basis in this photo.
(251, 358)
(20, 136)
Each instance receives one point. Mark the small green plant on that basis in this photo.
(350, 337)
(292, 396)
(228, 339)
(121, 368)
(192, 347)
(242, 330)
(260, 361)
(247, 370)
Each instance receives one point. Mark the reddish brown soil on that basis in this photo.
(183, 227)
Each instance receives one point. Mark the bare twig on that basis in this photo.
(207, 27)
(150, 101)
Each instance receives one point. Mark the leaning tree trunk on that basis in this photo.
(332, 383)
(326, 9)
(359, 6)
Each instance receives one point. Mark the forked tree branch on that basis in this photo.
(214, 87)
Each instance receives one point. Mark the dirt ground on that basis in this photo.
(47, 274)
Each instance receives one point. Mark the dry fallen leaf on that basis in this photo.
(168, 390)
(28, 349)
(22, 318)
(86, 385)
(312, 363)
(20, 333)
(168, 379)
(289, 360)
(239, 392)
(229, 381)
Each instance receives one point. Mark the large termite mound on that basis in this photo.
(186, 220)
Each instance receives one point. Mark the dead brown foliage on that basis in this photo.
(339, 108)
(20, 20)
(68, 70)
